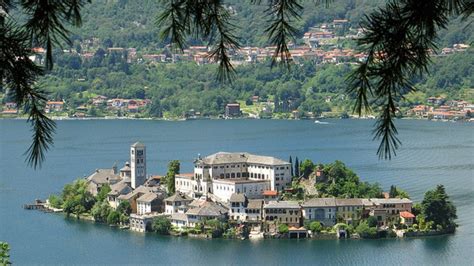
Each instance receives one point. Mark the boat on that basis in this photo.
(319, 122)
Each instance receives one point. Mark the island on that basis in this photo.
(242, 195)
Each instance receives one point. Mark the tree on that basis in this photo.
(291, 167)
(173, 170)
(372, 221)
(365, 231)
(437, 208)
(101, 211)
(283, 229)
(161, 225)
(103, 191)
(4, 253)
(77, 199)
(315, 227)
(393, 191)
(113, 218)
(55, 201)
(297, 167)
(307, 167)
(124, 208)
(46, 24)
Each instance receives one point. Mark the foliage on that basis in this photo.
(397, 39)
(344, 183)
(315, 227)
(103, 191)
(283, 229)
(161, 225)
(55, 201)
(45, 25)
(297, 167)
(4, 254)
(173, 170)
(437, 208)
(396, 192)
(77, 199)
(101, 211)
(365, 231)
(306, 168)
(113, 218)
(372, 221)
(124, 207)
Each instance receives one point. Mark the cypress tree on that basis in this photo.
(297, 167)
(291, 167)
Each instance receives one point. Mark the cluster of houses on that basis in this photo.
(442, 109)
(238, 187)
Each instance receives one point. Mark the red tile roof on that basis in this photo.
(270, 193)
(406, 214)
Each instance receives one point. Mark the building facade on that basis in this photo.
(138, 164)
(322, 210)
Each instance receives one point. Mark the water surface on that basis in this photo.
(432, 153)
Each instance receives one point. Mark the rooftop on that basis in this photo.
(241, 157)
(237, 197)
(103, 176)
(178, 197)
(406, 214)
(148, 197)
(270, 193)
(320, 202)
(208, 208)
(282, 205)
(255, 204)
(349, 202)
(391, 201)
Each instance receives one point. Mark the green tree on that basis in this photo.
(365, 231)
(437, 208)
(101, 211)
(113, 218)
(283, 228)
(315, 227)
(161, 225)
(372, 221)
(4, 253)
(297, 167)
(103, 191)
(77, 199)
(55, 201)
(173, 170)
(124, 208)
(307, 167)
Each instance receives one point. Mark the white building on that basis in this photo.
(177, 203)
(146, 203)
(138, 164)
(251, 174)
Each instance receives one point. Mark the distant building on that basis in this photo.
(283, 212)
(232, 110)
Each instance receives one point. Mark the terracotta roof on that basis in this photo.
(406, 214)
(270, 193)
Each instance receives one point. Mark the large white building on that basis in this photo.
(224, 173)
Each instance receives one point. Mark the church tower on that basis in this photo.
(138, 164)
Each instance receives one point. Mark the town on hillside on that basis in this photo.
(238, 188)
(325, 43)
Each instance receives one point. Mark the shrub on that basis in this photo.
(365, 231)
(282, 228)
(161, 225)
(372, 221)
(113, 217)
(55, 201)
(315, 227)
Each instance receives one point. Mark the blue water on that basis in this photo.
(432, 153)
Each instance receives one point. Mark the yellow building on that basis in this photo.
(349, 210)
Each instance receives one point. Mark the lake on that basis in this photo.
(432, 153)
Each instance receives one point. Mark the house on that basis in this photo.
(322, 210)
(142, 223)
(224, 188)
(407, 218)
(269, 195)
(349, 210)
(101, 177)
(283, 212)
(254, 211)
(149, 202)
(54, 106)
(205, 210)
(177, 203)
(232, 110)
(238, 205)
(387, 211)
(120, 188)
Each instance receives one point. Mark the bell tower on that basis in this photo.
(138, 164)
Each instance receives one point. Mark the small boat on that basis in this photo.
(319, 122)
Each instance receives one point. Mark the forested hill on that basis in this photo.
(130, 23)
